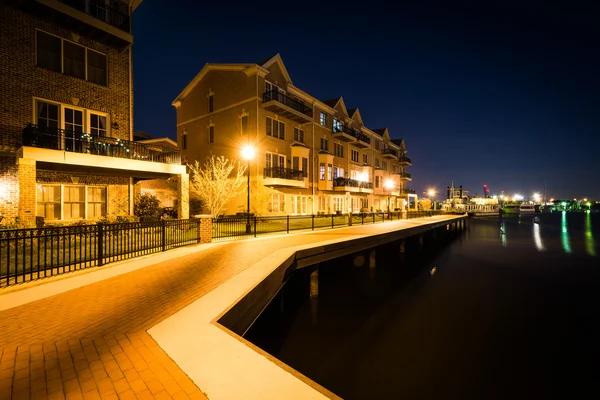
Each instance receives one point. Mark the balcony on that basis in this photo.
(286, 106)
(405, 192)
(389, 153)
(352, 185)
(279, 176)
(344, 133)
(405, 161)
(55, 146)
(405, 176)
(109, 24)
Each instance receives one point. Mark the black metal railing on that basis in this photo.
(78, 142)
(407, 191)
(288, 101)
(116, 15)
(235, 226)
(404, 159)
(284, 173)
(390, 151)
(405, 175)
(347, 182)
(352, 132)
(28, 254)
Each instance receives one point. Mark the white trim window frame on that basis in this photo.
(63, 203)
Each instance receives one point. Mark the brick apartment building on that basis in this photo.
(66, 114)
(312, 156)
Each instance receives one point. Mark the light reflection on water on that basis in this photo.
(537, 238)
(503, 234)
(589, 238)
(566, 243)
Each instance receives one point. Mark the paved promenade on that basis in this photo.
(91, 342)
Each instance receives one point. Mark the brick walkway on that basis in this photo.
(91, 342)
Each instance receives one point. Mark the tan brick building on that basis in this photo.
(312, 156)
(66, 114)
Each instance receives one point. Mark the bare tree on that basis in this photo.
(217, 182)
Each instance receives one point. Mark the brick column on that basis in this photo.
(27, 191)
(183, 196)
(205, 230)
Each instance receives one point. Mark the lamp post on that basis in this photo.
(389, 185)
(248, 154)
(431, 194)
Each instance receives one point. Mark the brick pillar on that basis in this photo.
(27, 191)
(205, 231)
(183, 196)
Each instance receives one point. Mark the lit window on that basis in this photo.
(323, 119)
(322, 171)
(329, 171)
(48, 201)
(96, 202)
(337, 125)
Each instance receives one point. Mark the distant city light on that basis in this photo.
(517, 197)
(431, 192)
(536, 197)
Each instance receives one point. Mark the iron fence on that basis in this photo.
(243, 226)
(28, 254)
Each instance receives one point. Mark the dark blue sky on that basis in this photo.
(508, 96)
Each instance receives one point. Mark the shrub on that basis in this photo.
(147, 207)
(40, 222)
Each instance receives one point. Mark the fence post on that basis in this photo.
(373, 217)
(163, 236)
(255, 226)
(199, 234)
(331, 220)
(99, 243)
(288, 224)
(313, 222)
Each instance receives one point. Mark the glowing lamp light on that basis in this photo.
(389, 184)
(248, 152)
(536, 197)
(431, 193)
(517, 197)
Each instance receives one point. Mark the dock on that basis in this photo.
(170, 325)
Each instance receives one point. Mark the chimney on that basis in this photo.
(460, 191)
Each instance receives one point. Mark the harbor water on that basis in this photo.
(510, 311)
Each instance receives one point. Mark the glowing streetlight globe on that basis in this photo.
(248, 152)
(431, 192)
(389, 184)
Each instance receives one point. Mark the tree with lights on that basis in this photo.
(217, 182)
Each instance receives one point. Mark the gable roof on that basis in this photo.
(263, 62)
(332, 102)
(399, 143)
(380, 131)
(277, 59)
(355, 114)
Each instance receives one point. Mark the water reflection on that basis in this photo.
(589, 238)
(537, 238)
(503, 233)
(566, 243)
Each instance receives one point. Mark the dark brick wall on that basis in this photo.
(21, 79)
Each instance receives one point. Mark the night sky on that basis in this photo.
(507, 96)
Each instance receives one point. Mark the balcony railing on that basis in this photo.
(347, 182)
(85, 143)
(284, 173)
(116, 16)
(390, 152)
(407, 191)
(352, 132)
(405, 175)
(405, 160)
(287, 101)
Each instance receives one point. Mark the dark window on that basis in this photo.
(275, 128)
(48, 51)
(324, 144)
(298, 135)
(211, 103)
(211, 134)
(245, 124)
(281, 130)
(98, 125)
(96, 67)
(296, 163)
(47, 115)
(269, 126)
(184, 141)
(305, 164)
(74, 60)
(365, 158)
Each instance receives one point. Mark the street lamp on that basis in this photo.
(431, 193)
(248, 154)
(389, 185)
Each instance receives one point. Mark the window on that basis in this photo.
(275, 128)
(338, 204)
(47, 115)
(245, 124)
(74, 60)
(74, 203)
(354, 155)
(298, 135)
(211, 134)
(211, 103)
(338, 150)
(323, 119)
(377, 179)
(384, 165)
(305, 165)
(274, 165)
(184, 140)
(296, 163)
(329, 171)
(96, 67)
(324, 144)
(376, 162)
(97, 124)
(338, 172)
(337, 125)
(48, 201)
(277, 203)
(365, 159)
(322, 171)
(96, 202)
(324, 204)
(48, 51)
(70, 58)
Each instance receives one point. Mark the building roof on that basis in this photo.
(263, 62)
(351, 111)
(141, 136)
(379, 131)
(332, 102)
